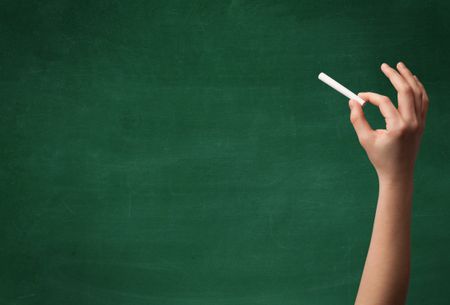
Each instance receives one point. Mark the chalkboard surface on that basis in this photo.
(184, 152)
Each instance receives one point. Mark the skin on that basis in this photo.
(392, 152)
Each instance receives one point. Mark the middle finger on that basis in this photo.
(406, 104)
(408, 76)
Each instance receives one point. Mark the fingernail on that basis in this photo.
(400, 64)
(384, 65)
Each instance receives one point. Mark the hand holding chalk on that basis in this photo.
(338, 87)
(393, 150)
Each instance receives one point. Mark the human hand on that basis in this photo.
(393, 150)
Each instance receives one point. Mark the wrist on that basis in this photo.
(403, 180)
(400, 175)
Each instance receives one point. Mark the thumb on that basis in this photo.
(360, 124)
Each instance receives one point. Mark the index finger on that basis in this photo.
(408, 76)
(387, 109)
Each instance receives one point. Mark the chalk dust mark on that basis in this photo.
(26, 296)
(233, 5)
(68, 208)
(130, 189)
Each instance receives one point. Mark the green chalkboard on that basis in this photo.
(184, 152)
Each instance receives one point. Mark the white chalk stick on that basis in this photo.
(338, 87)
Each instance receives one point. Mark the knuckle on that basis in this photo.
(402, 129)
(413, 126)
(408, 128)
(354, 117)
(407, 90)
(363, 139)
(417, 92)
(384, 99)
(421, 128)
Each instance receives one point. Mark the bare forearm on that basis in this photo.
(386, 272)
